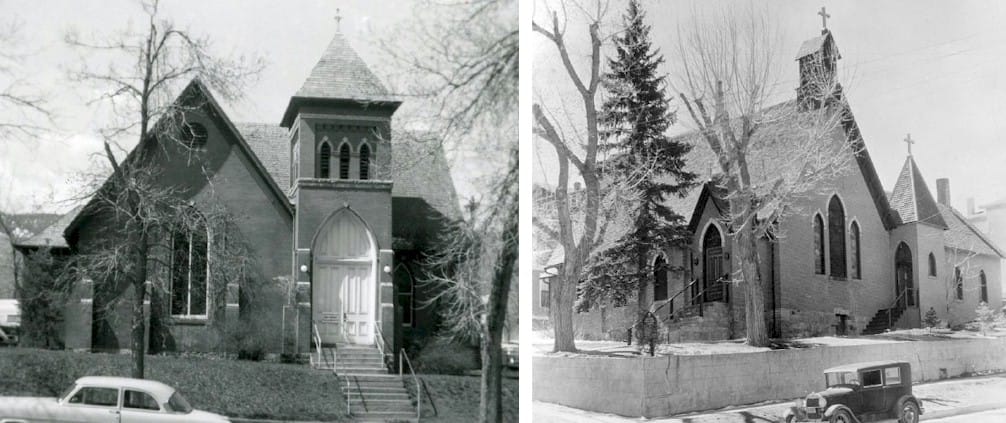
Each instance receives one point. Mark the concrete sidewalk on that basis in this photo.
(940, 399)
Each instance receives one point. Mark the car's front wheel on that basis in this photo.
(908, 413)
(841, 416)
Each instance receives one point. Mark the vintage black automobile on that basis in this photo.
(861, 392)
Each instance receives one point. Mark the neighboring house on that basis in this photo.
(337, 210)
(24, 226)
(846, 259)
(990, 219)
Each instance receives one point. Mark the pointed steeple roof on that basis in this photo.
(912, 200)
(341, 76)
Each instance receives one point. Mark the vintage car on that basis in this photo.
(861, 392)
(97, 399)
(511, 355)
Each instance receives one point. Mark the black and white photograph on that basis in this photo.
(767, 211)
(259, 211)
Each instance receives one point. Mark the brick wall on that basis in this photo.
(663, 386)
(808, 301)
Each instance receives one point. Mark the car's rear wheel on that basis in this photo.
(841, 416)
(908, 413)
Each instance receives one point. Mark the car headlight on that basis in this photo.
(822, 402)
(799, 403)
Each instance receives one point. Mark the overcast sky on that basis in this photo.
(289, 34)
(930, 68)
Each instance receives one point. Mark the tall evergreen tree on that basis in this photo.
(635, 118)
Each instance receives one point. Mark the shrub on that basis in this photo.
(931, 319)
(986, 317)
(243, 339)
(42, 294)
(442, 356)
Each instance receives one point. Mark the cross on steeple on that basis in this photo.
(824, 17)
(338, 21)
(909, 141)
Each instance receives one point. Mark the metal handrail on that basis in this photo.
(682, 291)
(890, 313)
(348, 403)
(317, 341)
(380, 340)
(402, 356)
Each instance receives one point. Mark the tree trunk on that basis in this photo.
(138, 347)
(492, 353)
(754, 297)
(643, 299)
(563, 296)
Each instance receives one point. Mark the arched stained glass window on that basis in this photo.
(189, 267)
(818, 244)
(325, 161)
(364, 161)
(984, 287)
(344, 161)
(857, 271)
(932, 265)
(836, 237)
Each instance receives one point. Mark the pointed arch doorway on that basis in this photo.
(343, 283)
(904, 282)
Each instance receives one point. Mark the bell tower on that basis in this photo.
(339, 124)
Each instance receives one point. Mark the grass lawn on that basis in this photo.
(456, 398)
(229, 387)
(237, 388)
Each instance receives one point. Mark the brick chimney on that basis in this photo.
(943, 191)
(971, 206)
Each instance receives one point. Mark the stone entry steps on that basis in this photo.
(879, 323)
(372, 394)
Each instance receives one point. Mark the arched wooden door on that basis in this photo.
(343, 289)
(712, 251)
(904, 281)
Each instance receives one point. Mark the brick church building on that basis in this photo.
(336, 208)
(850, 258)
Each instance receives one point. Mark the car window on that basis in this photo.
(139, 400)
(892, 376)
(871, 378)
(106, 397)
(178, 404)
(67, 392)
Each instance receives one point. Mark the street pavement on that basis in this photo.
(942, 401)
(994, 416)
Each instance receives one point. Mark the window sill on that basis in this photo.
(838, 278)
(189, 320)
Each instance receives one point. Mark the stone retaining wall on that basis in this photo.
(664, 386)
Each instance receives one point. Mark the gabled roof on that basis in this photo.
(815, 44)
(912, 200)
(271, 146)
(52, 236)
(961, 234)
(339, 75)
(196, 87)
(771, 145)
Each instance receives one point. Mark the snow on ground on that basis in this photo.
(947, 333)
(542, 344)
(936, 397)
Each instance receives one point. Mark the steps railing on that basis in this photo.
(895, 303)
(317, 341)
(379, 340)
(319, 350)
(658, 305)
(403, 357)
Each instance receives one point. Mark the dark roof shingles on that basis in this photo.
(419, 166)
(342, 74)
